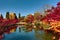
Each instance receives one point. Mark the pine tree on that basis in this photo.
(7, 15)
(1, 16)
(19, 15)
(15, 16)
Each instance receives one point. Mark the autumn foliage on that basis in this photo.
(52, 18)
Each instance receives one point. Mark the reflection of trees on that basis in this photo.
(27, 28)
(41, 35)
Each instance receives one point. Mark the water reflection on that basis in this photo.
(35, 34)
(42, 35)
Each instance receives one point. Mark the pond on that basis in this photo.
(32, 35)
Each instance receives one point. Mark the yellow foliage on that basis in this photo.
(12, 30)
(55, 24)
(11, 16)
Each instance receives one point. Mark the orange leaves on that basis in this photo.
(30, 18)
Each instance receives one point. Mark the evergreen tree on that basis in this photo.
(15, 16)
(7, 15)
(19, 15)
(1, 16)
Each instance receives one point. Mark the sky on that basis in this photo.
(24, 7)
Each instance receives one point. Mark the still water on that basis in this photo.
(33, 35)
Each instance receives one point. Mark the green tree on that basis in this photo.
(1, 16)
(19, 15)
(15, 16)
(7, 15)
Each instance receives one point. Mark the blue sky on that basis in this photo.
(25, 7)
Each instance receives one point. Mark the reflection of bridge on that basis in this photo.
(20, 24)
